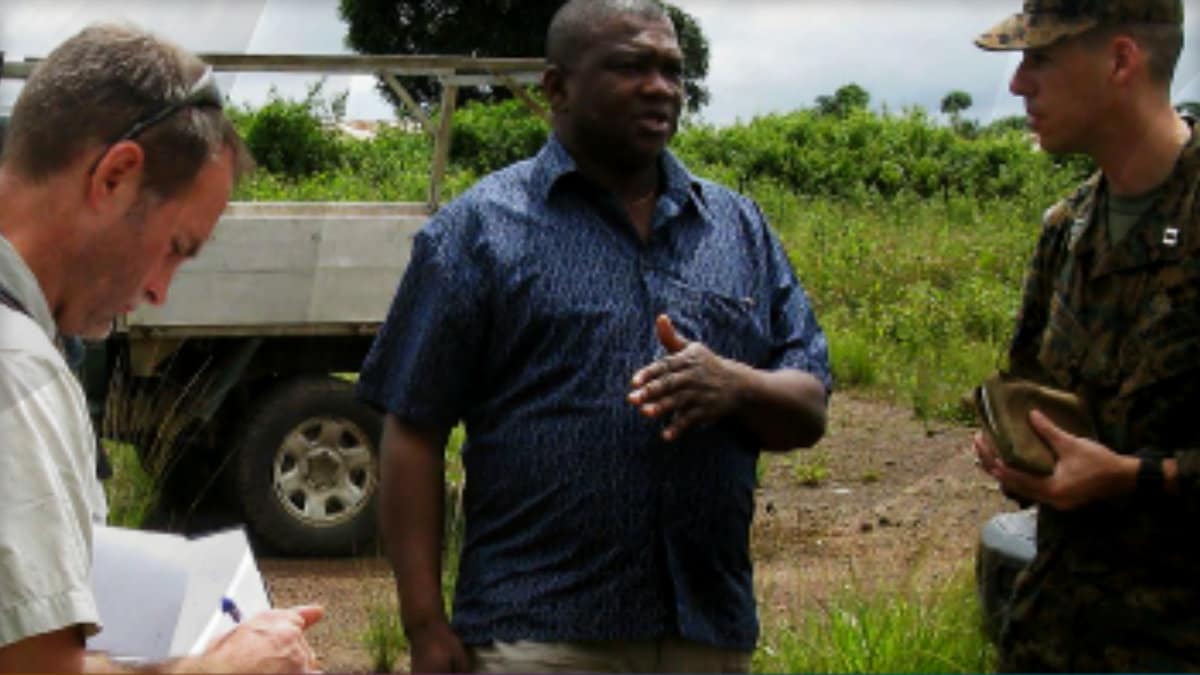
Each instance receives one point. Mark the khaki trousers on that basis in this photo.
(642, 656)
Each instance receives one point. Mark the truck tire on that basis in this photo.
(307, 468)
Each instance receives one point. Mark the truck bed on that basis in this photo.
(289, 268)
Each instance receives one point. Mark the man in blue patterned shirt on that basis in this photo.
(621, 339)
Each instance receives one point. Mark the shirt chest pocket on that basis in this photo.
(729, 325)
(1068, 352)
(1165, 339)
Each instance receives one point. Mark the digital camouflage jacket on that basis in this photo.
(1115, 585)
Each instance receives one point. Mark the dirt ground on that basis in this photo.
(884, 498)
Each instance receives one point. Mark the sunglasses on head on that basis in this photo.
(203, 93)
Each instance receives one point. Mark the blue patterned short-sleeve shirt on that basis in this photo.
(527, 307)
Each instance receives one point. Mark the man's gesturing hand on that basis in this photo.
(436, 649)
(691, 384)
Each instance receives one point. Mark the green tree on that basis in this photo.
(486, 28)
(287, 137)
(847, 98)
(695, 57)
(1190, 108)
(954, 103)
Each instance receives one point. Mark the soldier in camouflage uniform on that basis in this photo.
(1111, 311)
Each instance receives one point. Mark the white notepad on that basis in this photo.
(159, 595)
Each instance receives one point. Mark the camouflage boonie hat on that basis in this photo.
(1044, 22)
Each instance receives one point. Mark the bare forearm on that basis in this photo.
(412, 516)
(1124, 474)
(785, 408)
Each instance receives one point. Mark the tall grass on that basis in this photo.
(455, 518)
(153, 421)
(888, 631)
(917, 297)
(131, 492)
(384, 637)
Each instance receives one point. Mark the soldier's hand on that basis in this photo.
(986, 457)
(1086, 471)
(691, 385)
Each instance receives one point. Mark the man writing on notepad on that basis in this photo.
(117, 163)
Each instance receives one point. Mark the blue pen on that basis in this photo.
(230, 607)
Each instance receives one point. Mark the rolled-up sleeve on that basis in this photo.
(799, 342)
(48, 487)
(421, 365)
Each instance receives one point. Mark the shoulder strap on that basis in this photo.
(8, 300)
(72, 350)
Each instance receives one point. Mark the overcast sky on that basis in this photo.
(766, 55)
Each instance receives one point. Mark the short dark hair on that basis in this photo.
(1162, 42)
(573, 24)
(94, 87)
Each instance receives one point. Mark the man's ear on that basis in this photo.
(554, 85)
(1127, 58)
(117, 179)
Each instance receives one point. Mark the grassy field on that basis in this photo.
(917, 297)
(895, 631)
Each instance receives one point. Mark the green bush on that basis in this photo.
(865, 154)
(288, 138)
(851, 359)
(487, 137)
(910, 238)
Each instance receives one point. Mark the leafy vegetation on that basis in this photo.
(861, 156)
(910, 237)
(131, 493)
(898, 631)
(955, 102)
(917, 297)
(487, 137)
(847, 99)
(384, 638)
(455, 518)
(810, 468)
(287, 137)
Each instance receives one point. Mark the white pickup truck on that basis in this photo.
(242, 382)
(240, 379)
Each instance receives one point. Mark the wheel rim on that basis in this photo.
(324, 471)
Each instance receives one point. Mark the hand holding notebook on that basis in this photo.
(1003, 403)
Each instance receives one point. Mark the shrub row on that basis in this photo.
(854, 157)
(910, 238)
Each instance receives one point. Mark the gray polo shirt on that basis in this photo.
(49, 494)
